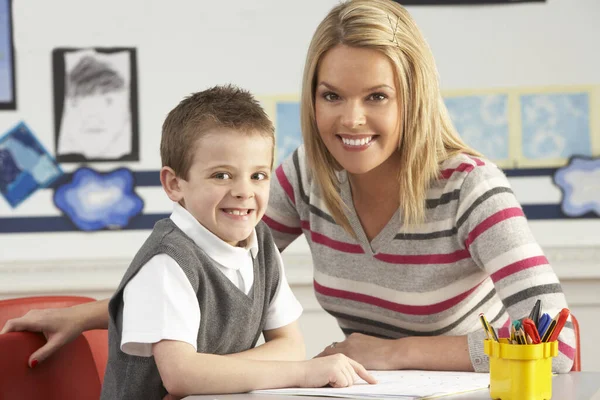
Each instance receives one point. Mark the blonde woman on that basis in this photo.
(412, 233)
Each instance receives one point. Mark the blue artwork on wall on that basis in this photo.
(482, 122)
(94, 201)
(555, 125)
(289, 135)
(25, 166)
(580, 183)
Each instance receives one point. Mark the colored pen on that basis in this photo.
(548, 332)
(486, 326)
(534, 315)
(531, 331)
(561, 318)
(543, 324)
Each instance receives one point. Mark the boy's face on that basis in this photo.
(227, 189)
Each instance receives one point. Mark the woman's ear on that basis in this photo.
(171, 183)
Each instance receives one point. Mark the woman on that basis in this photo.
(412, 234)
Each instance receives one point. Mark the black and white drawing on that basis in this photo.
(95, 104)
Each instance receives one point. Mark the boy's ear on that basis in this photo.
(171, 184)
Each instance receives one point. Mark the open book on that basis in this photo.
(401, 385)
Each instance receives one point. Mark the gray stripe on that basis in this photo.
(408, 332)
(348, 332)
(313, 209)
(426, 236)
(443, 199)
(497, 317)
(532, 292)
(480, 200)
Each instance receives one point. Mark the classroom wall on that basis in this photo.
(186, 46)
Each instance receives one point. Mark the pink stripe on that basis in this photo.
(285, 184)
(280, 227)
(331, 243)
(518, 266)
(491, 221)
(464, 167)
(424, 258)
(478, 161)
(503, 332)
(401, 308)
(566, 350)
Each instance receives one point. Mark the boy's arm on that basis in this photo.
(185, 372)
(282, 344)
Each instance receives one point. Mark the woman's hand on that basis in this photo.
(336, 371)
(59, 326)
(372, 352)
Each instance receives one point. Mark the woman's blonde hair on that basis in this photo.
(427, 134)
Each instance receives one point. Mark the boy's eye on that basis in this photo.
(222, 175)
(377, 96)
(330, 96)
(259, 176)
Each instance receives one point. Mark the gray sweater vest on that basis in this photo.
(231, 321)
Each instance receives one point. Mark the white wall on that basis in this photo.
(185, 46)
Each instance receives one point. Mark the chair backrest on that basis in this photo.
(97, 339)
(577, 359)
(69, 374)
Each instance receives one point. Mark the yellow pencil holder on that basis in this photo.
(520, 371)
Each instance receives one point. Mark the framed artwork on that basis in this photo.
(8, 97)
(95, 104)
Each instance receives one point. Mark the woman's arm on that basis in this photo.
(60, 325)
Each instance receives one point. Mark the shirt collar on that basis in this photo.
(223, 253)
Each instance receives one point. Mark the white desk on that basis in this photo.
(573, 386)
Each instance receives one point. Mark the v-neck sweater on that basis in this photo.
(473, 253)
(232, 321)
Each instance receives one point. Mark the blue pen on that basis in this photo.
(543, 324)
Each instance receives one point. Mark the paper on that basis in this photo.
(399, 385)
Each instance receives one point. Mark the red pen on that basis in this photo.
(561, 318)
(531, 330)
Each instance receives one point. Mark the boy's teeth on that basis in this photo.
(357, 142)
(238, 212)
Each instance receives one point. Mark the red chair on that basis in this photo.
(96, 339)
(70, 373)
(577, 359)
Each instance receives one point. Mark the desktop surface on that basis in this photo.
(571, 386)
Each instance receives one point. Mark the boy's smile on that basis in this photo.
(227, 187)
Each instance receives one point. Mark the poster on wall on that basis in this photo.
(95, 104)
(455, 2)
(8, 100)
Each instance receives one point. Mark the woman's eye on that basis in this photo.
(259, 176)
(377, 97)
(329, 96)
(222, 175)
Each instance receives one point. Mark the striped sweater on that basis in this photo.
(473, 253)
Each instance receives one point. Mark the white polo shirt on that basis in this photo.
(160, 303)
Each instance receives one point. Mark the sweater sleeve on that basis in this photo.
(282, 216)
(493, 228)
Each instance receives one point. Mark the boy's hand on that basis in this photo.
(336, 371)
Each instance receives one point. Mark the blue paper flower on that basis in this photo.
(580, 184)
(95, 201)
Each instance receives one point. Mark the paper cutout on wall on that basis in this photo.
(95, 104)
(580, 185)
(482, 121)
(25, 165)
(555, 125)
(94, 201)
(289, 134)
(8, 91)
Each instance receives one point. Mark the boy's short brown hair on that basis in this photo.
(218, 107)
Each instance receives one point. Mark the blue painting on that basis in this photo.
(482, 122)
(25, 165)
(580, 185)
(289, 134)
(94, 201)
(555, 125)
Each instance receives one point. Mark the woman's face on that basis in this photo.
(356, 106)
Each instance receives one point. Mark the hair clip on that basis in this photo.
(394, 39)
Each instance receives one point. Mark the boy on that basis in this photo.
(209, 280)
